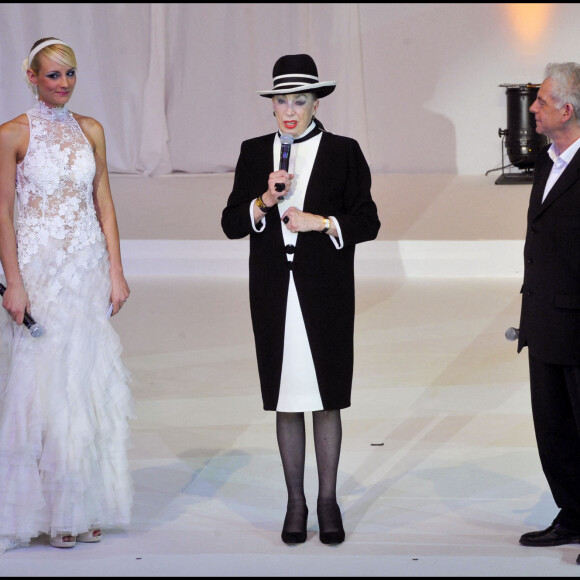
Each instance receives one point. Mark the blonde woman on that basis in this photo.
(64, 396)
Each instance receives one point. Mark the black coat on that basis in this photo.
(339, 185)
(550, 315)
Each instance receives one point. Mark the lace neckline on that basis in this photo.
(51, 113)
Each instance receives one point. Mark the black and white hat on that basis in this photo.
(297, 73)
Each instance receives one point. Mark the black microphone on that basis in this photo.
(286, 140)
(512, 333)
(35, 329)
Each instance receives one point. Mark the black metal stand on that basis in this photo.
(514, 178)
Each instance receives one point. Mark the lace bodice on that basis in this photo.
(54, 186)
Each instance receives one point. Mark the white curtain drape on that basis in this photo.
(175, 84)
(154, 155)
(221, 55)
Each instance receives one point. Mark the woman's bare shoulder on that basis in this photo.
(15, 129)
(91, 128)
(88, 124)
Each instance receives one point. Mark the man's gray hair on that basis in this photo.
(566, 77)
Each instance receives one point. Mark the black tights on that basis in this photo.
(291, 434)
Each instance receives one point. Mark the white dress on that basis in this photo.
(64, 396)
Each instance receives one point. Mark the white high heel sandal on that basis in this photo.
(93, 535)
(58, 541)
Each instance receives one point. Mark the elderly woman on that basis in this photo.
(303, 223)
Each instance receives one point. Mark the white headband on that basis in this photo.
(42, 45)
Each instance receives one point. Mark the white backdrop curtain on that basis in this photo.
(175, 85)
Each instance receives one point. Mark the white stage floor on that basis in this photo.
(439, 473)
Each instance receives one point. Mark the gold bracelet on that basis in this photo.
(260, 203)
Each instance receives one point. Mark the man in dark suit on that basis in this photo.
(550, 315)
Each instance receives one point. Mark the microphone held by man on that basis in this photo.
(512, 333)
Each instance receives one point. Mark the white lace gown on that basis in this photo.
(64, 396)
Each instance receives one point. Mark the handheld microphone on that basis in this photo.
(512, 333)
(286, 140)
(36, 329)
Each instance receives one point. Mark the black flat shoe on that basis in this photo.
(555, 535)
(294, 537)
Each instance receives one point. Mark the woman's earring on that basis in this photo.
(274, 113)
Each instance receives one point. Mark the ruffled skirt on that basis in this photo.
(64, 405)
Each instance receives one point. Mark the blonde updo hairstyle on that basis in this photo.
(60, 53)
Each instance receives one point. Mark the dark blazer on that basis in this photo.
(550, 315)
(339, 185)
